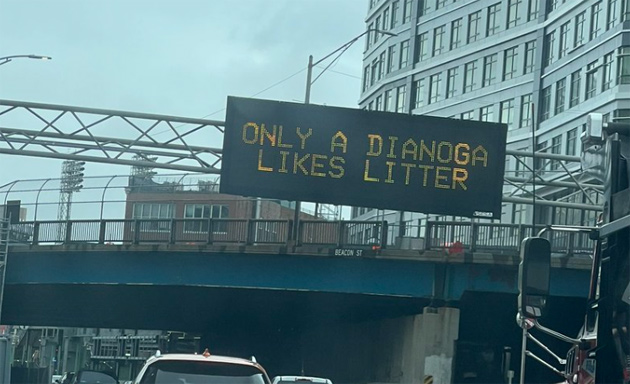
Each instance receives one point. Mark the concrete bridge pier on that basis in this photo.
(429, 346)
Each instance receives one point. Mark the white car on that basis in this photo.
(300, 380)
(200, 369)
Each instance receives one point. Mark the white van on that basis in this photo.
(300, 380)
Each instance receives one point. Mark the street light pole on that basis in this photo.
(6, 59)
(307, 100)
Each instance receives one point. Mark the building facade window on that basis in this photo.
(591, 80)
(493, 24)
(512, 16)
(489, 70)
(391, 59)
(422, 47)
(395, 6)
(596, 10)
(456, 38)
(401, 94)
(418, 98)
(366, 78)
(148, 211)
(473, 27)
(204, 211)
(386, 19)
(506, 112)
(623, 66)
(451, 82)
(579, 29)
(530, 55)
(541, 164)
(485, 113)
(381, 65)
(469, 115)
(614, 11)
(440, 4)
(424, 7)
(526, 111)
(509, 63)
(556, 144)
(438, 40)
(560, 96)
(563, 44)
(404, 54)
(607, 77)
(549, 48)
(532, 10)
(389, 100)
(435, 83)
(469, 76)
(545, 103)
(373, 71)
(406, 11)
(574, 94)
(379, 103)
(572, 142)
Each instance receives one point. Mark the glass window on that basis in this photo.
(148, 211)
(424, 7)
(530, 55)
(555, 149)
(469, 76)
(572, 142)
(422, 47)
(395, 6)
(540, 162)
(391, 59)
(579, 29)
(549, 48)
(473, 26)
(434, 88)
(438, 40)
(512, 16)
(575, 89)
(440, 4)
(381, 65)
(485, 113)
(404, 54)
(526, 111)
(368, 37)
(560, 95)
(374, 71)
(379, 103)
(507, 112)
(366, 78)
(377, 25)
(406, 11)
(456, 27)
(591, 80)
(613, 13)
(401, 93)
(451, 78)
(493, 24)
(623, 66)
(532, 10)
(607, 78)
(389, 101)
(545, 103)
(596, 11)
(489, 70)
(564, 39)
(469, 115)
(386, 19)
(509, 63)
(418, 86)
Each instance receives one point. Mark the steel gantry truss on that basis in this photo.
(109, 136)
(163, 142)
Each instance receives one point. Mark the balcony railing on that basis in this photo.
(436, 235)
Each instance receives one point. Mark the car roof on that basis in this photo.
(301, 378)
(201, 357)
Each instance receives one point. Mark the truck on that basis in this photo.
(600, 353)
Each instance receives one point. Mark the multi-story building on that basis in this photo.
(539, 66)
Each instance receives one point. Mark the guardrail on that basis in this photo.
(451, 236)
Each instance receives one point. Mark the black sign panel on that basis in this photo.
(363, 158)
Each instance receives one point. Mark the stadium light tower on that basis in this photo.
(71, 182)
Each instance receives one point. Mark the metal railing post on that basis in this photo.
(101, 232)
(474, 234)
(249, 233)
(427, 235)
(173, 232)
(570, 244)
(36, 233)
(210, 238)
(384, 233)
(290, 233)
(340, 226)
(68, 232)
(136, 232)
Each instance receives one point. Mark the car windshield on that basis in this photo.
(195, 372)
(89, 377)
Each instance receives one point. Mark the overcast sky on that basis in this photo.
(178, 58)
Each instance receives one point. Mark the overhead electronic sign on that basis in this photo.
(363, 158)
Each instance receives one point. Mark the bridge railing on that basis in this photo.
(434, 235)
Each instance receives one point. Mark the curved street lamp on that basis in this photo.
(307, 99)
(6, 59)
